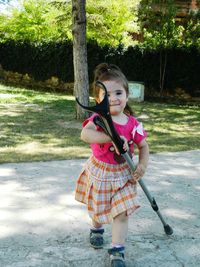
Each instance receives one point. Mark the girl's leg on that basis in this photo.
(119, 229)
(96, 224)
(96, 235)
(119, 233)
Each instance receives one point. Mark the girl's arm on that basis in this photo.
(143, 153)
(143, 161)
(90, 135)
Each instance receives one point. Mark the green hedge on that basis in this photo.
(45, 60)
(41, 61)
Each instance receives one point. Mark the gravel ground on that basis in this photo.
(42, 225)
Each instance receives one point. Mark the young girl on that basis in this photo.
(106, 184)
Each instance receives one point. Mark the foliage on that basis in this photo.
(191, 32)
(161, 31)
(157, 21)
(41, 20)
(37, 37)
(108, 22)
(160, 28)
(34, 20)
(115, 20)
(42, 61)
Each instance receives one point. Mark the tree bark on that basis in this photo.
(81, 83)
(163, 64)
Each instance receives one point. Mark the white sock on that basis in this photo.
(96, 228)
(117, 245)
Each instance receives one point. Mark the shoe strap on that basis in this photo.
(117, 257)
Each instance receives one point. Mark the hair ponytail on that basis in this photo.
(128, 110)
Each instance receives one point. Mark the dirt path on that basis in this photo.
(42, 225)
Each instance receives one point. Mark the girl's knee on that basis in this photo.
(122, 217)
(96, 224)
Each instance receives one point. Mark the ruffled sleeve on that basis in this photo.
(138, 132)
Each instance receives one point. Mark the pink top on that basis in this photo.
(132, 131)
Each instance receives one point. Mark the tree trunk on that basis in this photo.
(163, 64)
(81, 84)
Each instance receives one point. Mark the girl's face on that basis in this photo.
(117, 97)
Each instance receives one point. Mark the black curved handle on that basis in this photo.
(102, 109)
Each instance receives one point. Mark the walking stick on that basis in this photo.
(104, 120)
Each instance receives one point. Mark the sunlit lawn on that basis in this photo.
(39, 126)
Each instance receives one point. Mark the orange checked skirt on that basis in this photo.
(106, 190)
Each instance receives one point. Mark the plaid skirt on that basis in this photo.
(106, 190)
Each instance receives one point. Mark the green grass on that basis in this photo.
(40, 126)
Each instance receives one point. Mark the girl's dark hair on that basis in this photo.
(110, 72)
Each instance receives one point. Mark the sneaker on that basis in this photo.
(117, 257)
(96, 238)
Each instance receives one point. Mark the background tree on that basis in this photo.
(191, 29)
(159, 30)
(33, 20)
(108, 22)
(112, 22)
(81, 83)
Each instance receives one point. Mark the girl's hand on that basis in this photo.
(125, 145)
(138, 173)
